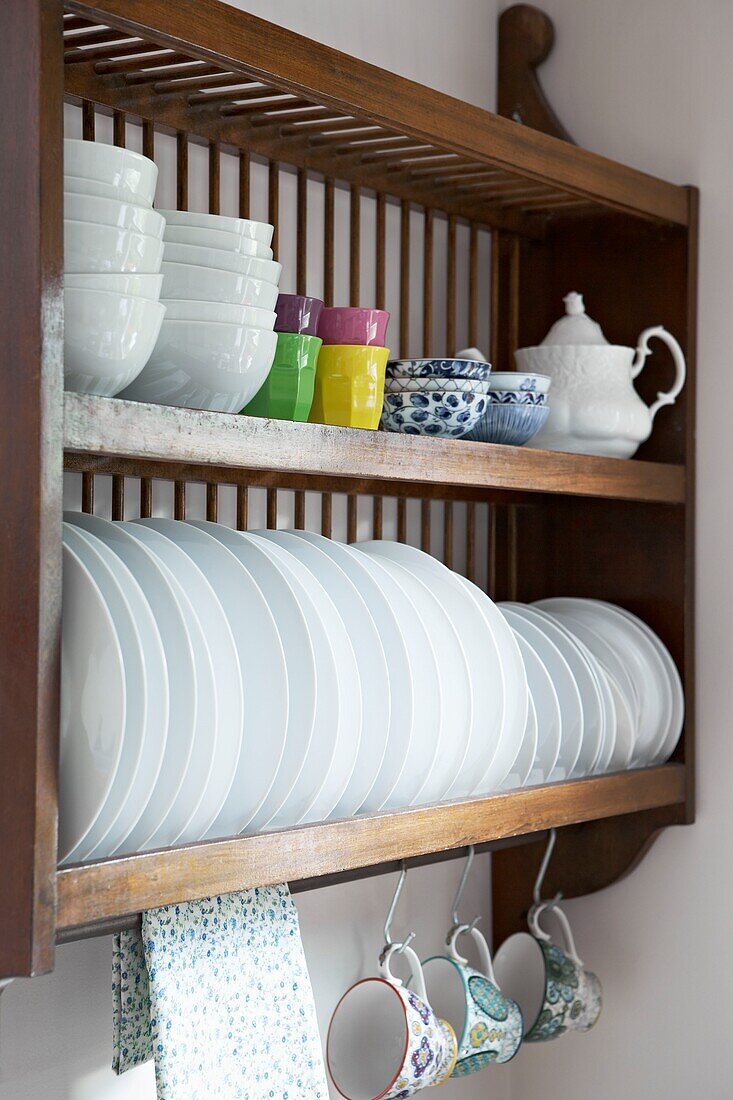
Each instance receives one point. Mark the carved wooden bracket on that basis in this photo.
(526, 37)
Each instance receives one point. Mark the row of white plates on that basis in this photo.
(216, 682)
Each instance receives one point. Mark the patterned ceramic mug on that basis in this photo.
(555, 991)
(384, 1041)
(488, 1025)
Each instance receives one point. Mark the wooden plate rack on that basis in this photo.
(557, 217)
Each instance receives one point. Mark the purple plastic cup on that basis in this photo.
(298, 313)
(353, 325)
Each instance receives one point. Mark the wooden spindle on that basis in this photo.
(471, 540)
(244, 183)
(273, 203)
(148, 139)
(179, 500)
(146, 497)
(513, 317)
(87, 120)
(512, 547)
(425, 518)
(214, 177)
(381, 248)
(301, 260)
(326, 514)
(473, 286)
(87, 492)
(119, 129)
(328, 221)
(299, 510)
(494, 302)
(405, 279)
(448, 533)
(377, 517)
(491, 553)
(427, 283)
(351, 517)
(272, 509)
(354, 244)
(212, 501)
(450, 289)
(401, 519)
(181, 170)
(242, 507)
(118, 497)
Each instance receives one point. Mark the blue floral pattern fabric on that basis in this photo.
(132, 1042)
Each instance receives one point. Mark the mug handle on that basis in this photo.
(457, 930)
(643, 351)
(534, 926)
(418, 978)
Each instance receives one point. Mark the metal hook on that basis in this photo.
(459, 894)
(388, 941)
(537, 891)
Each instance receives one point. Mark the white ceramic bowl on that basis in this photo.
(245, 227)
(205, 365)
(269, 270)
(125, 215)
(211, 285)
(131, 176)
(108, 338)
(217, 238)
(520, 380)
(139, 286)
(93, 249)
(187, 309)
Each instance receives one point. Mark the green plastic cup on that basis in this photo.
(287, 392)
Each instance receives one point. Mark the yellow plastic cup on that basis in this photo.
(349, 388)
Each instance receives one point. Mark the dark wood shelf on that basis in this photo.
(162, 441)
(114, 888)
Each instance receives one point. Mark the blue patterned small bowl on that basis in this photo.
(437, 413)
(425, 384)
(510, 424)
(441, 368)
(517, 397)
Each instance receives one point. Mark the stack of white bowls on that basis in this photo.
(113, 250)
(216, 344)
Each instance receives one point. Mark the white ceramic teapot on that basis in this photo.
(594, 408)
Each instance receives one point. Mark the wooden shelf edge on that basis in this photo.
(97, 892)
(161, 433)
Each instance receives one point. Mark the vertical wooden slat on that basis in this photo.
(273, 203)
(377, 513)
(181, 170)
(299, 510)
(119, 129)
(381, 247)
(212, 501)
(427, 277)
(148, 139)
(450, 289)
(425, 518)
(179, 500)
(146, 497)
(401, 519)
(491, 553)
(272, 509)
(301, 262)
(512, 551)
(473, 286)
(87, 120)
(471, 540)
(351, 517)
(354, 244)
(328, 218)
(405, 280)
(118, 497)
(244, 177)
(214, 177)
(326, 514)
(242, 507)
(87, 492)
(448, 533)
(494, 301)
(513, 318)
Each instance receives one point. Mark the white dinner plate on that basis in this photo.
(568, 694)
(522, 766)
(262, 664)
(480, 651)
(397, 662)
(370, 659)
(282, 599)
(336, 740)
(146, 726)
(226, 735)
(547, 707)
(455, 682)
(623, 749)
(593, 714)
(93, 703)
(180, 672)
(414, 758)
(606, 757)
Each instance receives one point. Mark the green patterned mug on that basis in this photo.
(488, 1025)
(554, 990)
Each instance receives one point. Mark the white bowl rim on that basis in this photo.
(118, 150)
(222, 324)
(116, 229)
(205, 213)
(521, 373)
(108, 198)
(112, 294)
(190, 302)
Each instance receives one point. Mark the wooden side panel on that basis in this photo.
(31, 321)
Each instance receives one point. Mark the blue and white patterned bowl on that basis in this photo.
(516, 397)
(430, 382)
(441, 368)
(437, 413)
(511, 424)
(520, 380)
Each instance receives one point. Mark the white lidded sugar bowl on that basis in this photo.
(595, 409)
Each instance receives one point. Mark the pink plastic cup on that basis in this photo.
(353, 325)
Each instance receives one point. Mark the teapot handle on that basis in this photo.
(643, 350)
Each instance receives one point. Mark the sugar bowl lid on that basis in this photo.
(576, 327)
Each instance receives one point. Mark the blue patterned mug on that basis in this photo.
(488, 1024)
(384, 1040)
(554, 990)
